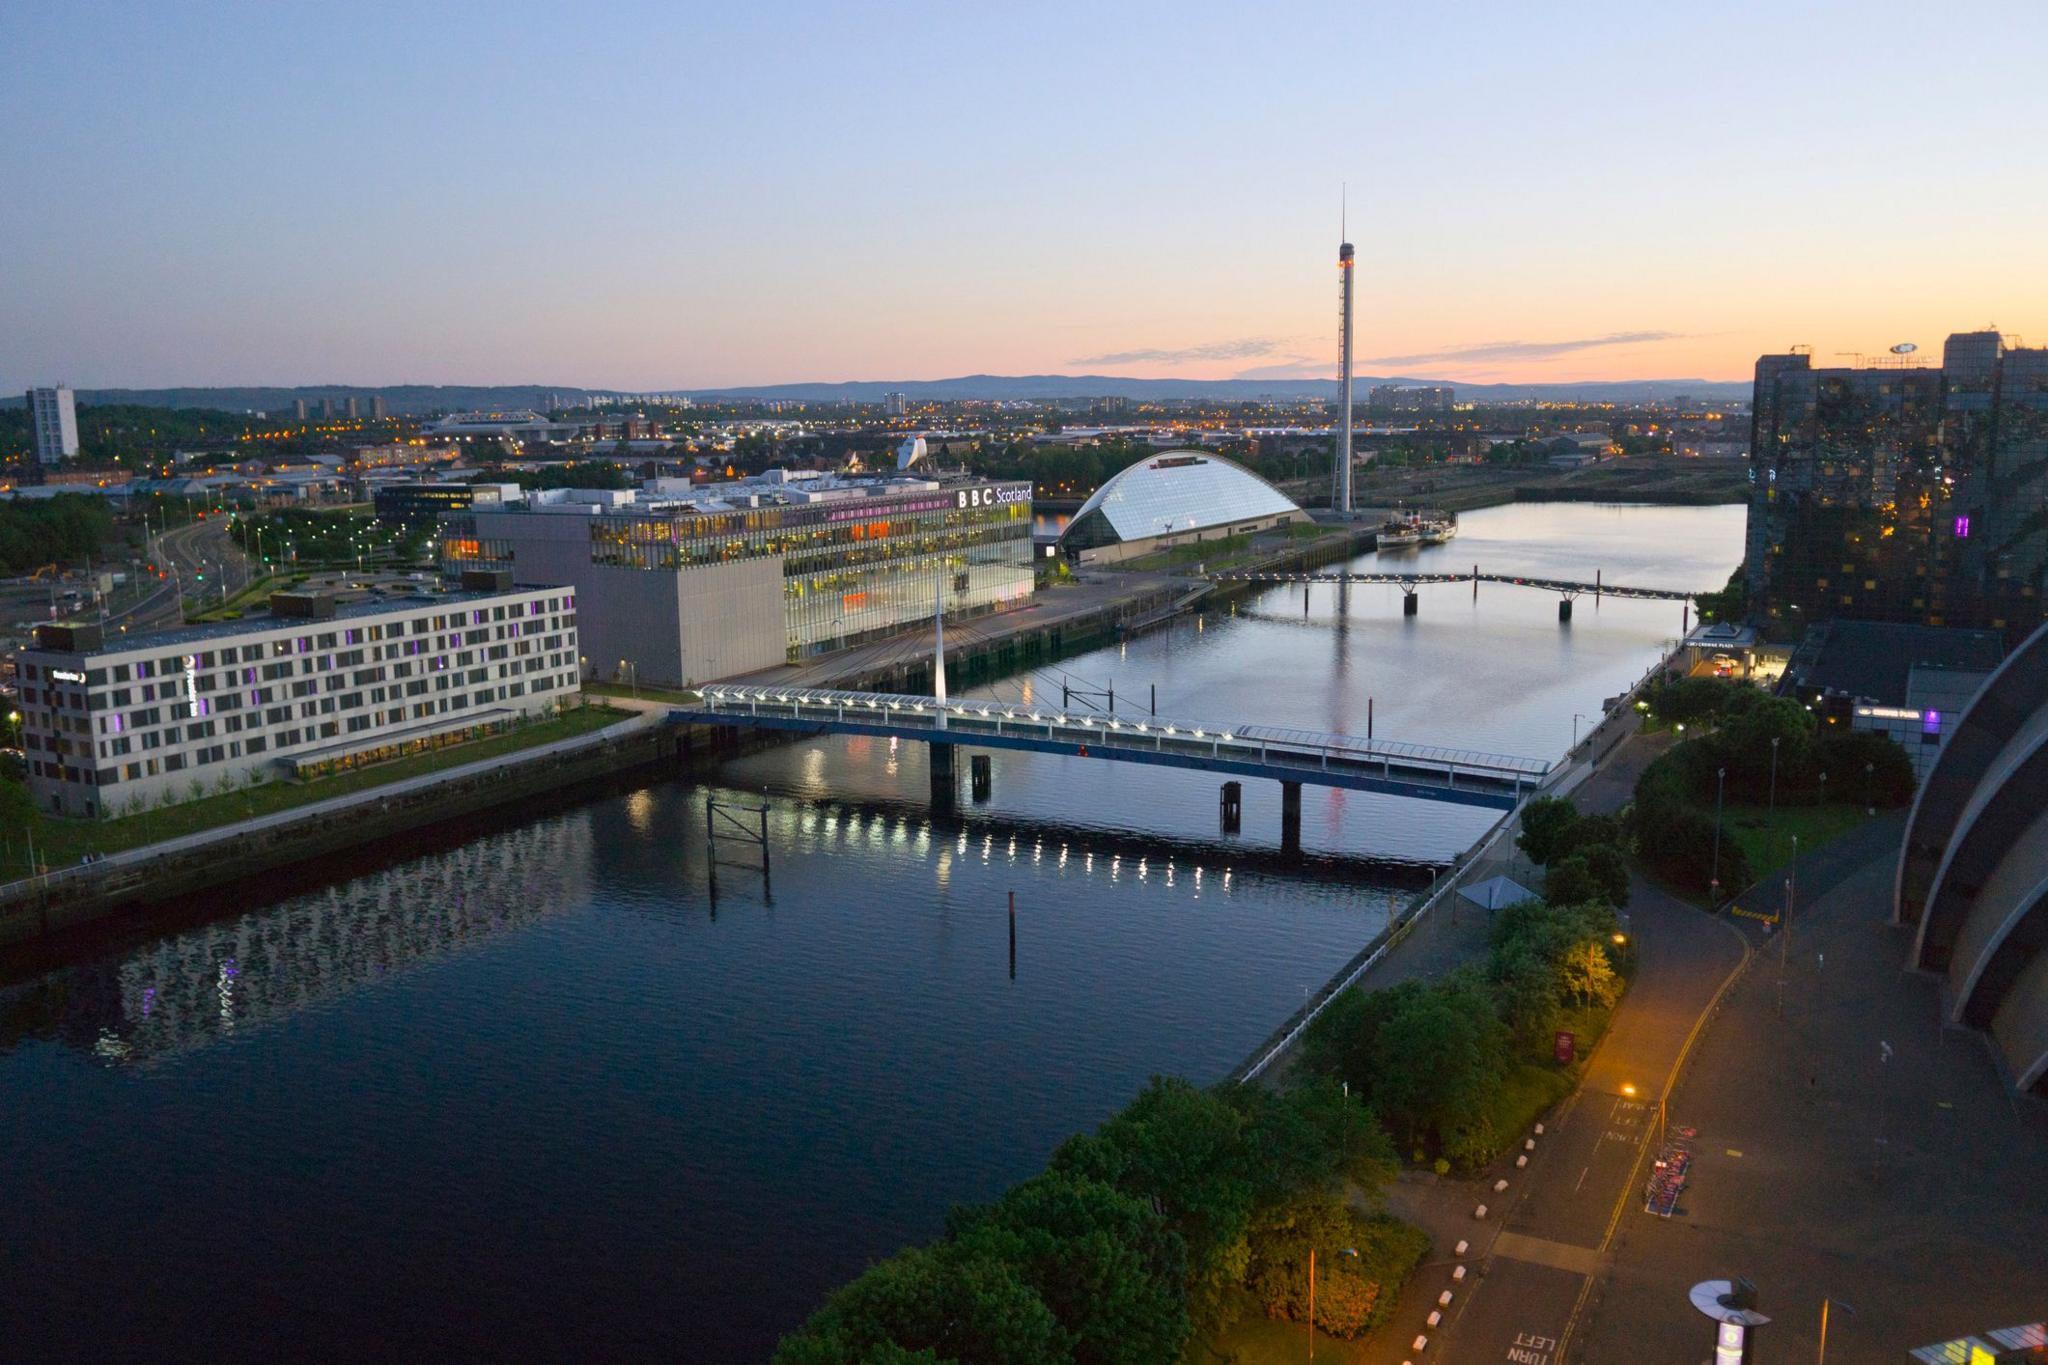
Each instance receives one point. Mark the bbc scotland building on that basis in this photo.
(681, 584)
(111, 727)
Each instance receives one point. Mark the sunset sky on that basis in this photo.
(688, 194)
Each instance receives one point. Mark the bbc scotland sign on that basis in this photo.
(967, 498)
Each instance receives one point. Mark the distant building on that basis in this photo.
(354, 406)
(1411, 398)
(110, 726)
(53, 426)
(895, 404)
(299, 409)
(1180, 497)
(379, 409)
(413, 505)
(1898, 493)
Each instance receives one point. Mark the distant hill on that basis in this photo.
(1047, 387)
(416, 399)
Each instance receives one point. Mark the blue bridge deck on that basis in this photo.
(1424, 772)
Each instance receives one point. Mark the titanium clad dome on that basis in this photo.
(1171, 493)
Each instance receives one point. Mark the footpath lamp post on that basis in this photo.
(1714, 877)
(1869, 796)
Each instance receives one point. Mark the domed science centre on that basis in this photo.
(1177, 498)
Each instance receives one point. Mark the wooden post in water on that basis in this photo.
(1013, 936)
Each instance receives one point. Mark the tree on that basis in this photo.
(948, 1302)
(1440, 1059)
(1547, 824)
(1104, 1262)
(1588, 975)
(1182, 1149)
(1570, 881)
(1609, 870)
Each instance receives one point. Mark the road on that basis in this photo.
(1546, 1242)
(203, 562)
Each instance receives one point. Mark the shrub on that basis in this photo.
(1547, 825)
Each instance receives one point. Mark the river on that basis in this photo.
(538, 1093)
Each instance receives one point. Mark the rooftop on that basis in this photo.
(343, 611)
(1875, 660)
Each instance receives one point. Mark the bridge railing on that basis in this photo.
(1268, 745)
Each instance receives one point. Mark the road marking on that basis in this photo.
(1582, 1180)
(1733, 1152)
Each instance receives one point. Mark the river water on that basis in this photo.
(542, 1093)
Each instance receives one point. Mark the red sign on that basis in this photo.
(1567, 1044)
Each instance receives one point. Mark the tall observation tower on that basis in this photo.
(1340, 490)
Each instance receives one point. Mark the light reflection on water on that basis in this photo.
(546, 1076)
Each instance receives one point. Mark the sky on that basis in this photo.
(687, 194)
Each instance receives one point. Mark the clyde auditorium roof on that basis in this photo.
(1181, 490)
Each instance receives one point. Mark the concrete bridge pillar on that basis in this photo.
(945, 777)
(1564, 610)
(1290, 817)
(1230, 807)
(979, 776)
(1410, 601)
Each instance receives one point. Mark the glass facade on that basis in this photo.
(1173, 493)
(853, 569)
(1903, 494)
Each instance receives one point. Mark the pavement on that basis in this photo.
(1848, 1147)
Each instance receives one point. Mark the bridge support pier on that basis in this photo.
(1290, 817)
(1409, 603)
(1230, 807)
(945, 777)
(1564, 610)
(979, 779)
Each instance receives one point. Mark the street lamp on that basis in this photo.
(1869, 797)
(1714, 879)
(1576, 718)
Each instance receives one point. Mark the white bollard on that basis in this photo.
(1479, 1212)
(1528, 1144)
(1521, 1161)
(1443, 1300)
(1539, 1130)
(1499, 1185)
(1434, 1317)
(1419, 1345)
(1459, 1249)
(1458, 1274)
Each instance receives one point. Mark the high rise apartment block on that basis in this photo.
(1901, 492)
(53, 426)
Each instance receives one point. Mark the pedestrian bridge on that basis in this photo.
(1564, 587)
(1291, 757)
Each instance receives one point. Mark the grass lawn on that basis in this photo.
(1530, 1089)
(1766, 837)
(60, 843)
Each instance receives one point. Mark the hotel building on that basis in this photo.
(113, 726)
(679, 585)
(1900, 492)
